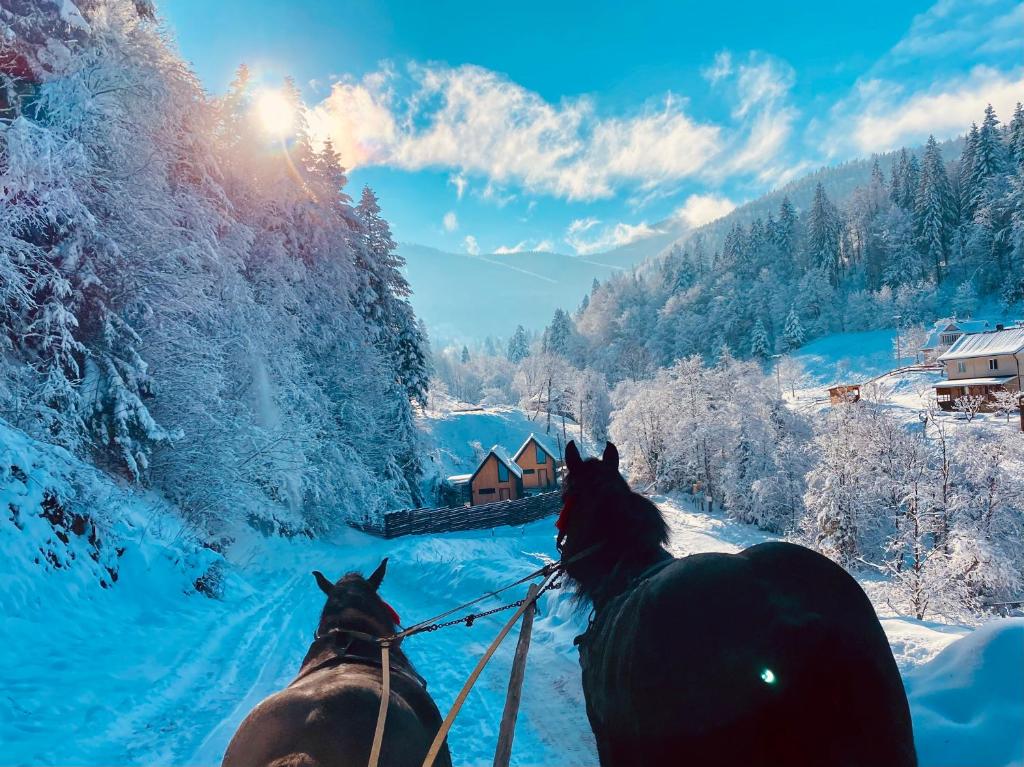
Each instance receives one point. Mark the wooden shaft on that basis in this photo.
(442, 733)
(503, 753)
(385, 699)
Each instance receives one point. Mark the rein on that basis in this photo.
(551, 573)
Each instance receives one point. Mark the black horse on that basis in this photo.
(327, 716)
(772, 657)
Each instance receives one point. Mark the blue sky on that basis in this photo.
(575, 127)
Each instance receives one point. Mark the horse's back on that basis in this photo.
(328, 720)
(758, 658)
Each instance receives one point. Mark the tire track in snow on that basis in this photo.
(150, 731)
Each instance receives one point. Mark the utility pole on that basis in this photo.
(778, 372)
(899, 356)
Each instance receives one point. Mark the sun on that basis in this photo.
(275, 113)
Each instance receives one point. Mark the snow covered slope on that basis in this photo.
(461, 439)
(148, 672)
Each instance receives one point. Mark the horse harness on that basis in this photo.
(582, 641)
(349, 646)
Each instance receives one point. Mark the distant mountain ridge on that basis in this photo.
(464, 298)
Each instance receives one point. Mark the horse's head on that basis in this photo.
(600, 513)
(353, 603)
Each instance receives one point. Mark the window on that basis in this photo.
(502, 472)
(542, 457)
(949, 338)
(486, 491)
(529, 471)
(993, 364)
(961, 367)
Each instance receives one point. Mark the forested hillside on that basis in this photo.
(922, 238)
(190, 299)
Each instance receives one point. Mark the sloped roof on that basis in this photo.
(502, 455)
(947, 324)
(990, 381)
(544, 445)
(1008, 341)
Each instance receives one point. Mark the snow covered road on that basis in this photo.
(143, 675)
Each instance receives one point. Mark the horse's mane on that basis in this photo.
(627, 528)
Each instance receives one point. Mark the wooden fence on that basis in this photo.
(450, 519)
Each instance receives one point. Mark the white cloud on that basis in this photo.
(609, 236)
(952, 26)
(700, 209)
(450, 221)
(471, 245)
(477, 122)
(460, 183)
(526, 246)
(720, 69)
(955, 58)
(358, 119)
(759, 87)
(881, 115)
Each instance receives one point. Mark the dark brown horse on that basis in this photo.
(772, 657)
(327, 716)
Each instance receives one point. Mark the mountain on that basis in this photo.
(464, 298)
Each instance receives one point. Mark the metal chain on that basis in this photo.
(470, 619)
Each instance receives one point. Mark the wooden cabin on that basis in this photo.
(844, 393)
(981, 364)
(539, 464)
(497, 478)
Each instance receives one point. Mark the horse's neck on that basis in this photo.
(335, 640)
(623, 572)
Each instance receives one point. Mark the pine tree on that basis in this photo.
(823, 233)
(558, 334)
(464, 356)
(518, 346)
(964, 169)
(760, 348)
(987, 160)
(1015, 139)
(933, 209)
(793, 334)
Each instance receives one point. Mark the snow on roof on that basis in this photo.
(502, 455)
(990, 381)
(456, 479)
(543, 443)
(1008, 341)
(952, 324)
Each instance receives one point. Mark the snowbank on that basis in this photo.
(968, 703)
(148, 672)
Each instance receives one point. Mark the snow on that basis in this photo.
(502, 455)
(989, 381)
(540, 441)
(1008, 341)
(850, 357)
(968, 703)
(150, 672)
(458, 436)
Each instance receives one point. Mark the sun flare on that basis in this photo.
(275, 113)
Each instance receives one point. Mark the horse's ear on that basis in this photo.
(325, 585)
(611, 456)
(378, 574)
(572, 457)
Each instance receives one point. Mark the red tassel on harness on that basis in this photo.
(394, 615)
(563, 517)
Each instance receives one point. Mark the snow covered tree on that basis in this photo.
(518, 346)
(558, 335)
(793, 333)
(823, 235)
(760, 347)
(934, 211)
